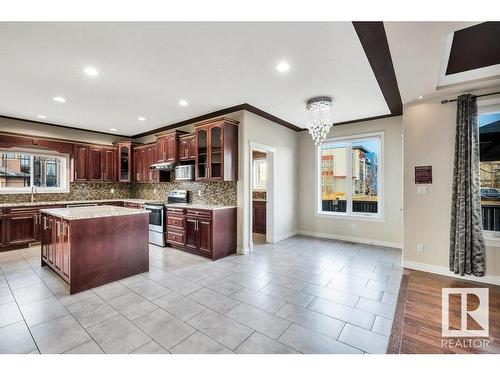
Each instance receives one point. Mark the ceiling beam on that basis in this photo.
(374, 42)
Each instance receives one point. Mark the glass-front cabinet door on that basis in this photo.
(202, 155)
(125, 162)
(215, 152)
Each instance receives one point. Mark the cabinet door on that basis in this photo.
(205, 235)
(191, 233)
(81, 162)
(184, 149)
(58, 245)
(215, 151)
(124, 163)
(192, 148)
(109, 166)
(137, 164)
(21, 228)
(95, 164)
(65, 250)
(52, 239)
(202, 153)
(162, 149)
(259, 217)
(171, 141)
(3, 240)
(44, 237)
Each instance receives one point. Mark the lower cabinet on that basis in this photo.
(55, 245)
(21, 228)
(209, 233)
(259, 217)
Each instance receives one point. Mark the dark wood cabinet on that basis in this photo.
(124, 162)
(95, 164)
(109, 164)
(217, 150)
(56, 246)
(187, 147)
(167, 147)
(21, 228)
(81, 160)
(3, 221)
(209, 233)
(259, 217)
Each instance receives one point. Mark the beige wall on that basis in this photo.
(256, 129)
(429, 139)
(388, 232)
(41, 130)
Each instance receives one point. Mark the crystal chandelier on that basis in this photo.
(320, 117)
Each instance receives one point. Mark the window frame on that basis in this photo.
(492, 238)
(65, 173)
(255, 176)
(349, 214)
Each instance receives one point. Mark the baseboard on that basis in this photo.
(351, 239)
(281, 237)
(440, 270)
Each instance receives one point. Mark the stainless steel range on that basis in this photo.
(156, 223)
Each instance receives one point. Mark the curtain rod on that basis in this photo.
(476, 96)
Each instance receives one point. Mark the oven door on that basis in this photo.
(156, 217)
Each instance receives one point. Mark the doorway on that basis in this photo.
(261, 194)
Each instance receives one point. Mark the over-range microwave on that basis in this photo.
(184, 172)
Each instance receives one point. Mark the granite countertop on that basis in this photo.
(57, 203)
(198, 206)
(259, 200)
(79, 213)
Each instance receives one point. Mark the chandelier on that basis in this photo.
(320, 117)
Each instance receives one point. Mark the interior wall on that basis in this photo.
(41, 130)
(429, 139)
(386, 233)
(254, 128)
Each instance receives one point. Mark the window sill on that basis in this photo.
(376, 219)
(491, 239)
(39, 191)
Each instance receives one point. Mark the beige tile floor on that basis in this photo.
(301, 295)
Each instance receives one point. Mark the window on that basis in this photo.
(489, 151)
(349, 177)
(20, 171)
(260, 174)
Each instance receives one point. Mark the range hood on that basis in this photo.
(167, 166)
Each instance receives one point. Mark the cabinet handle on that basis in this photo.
(45, 223)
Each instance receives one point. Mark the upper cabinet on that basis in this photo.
(187, 147)
(124, 162)
(94, 163)
(217, 150)
(81, 154)
(167, 145)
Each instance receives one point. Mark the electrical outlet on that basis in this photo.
(420, 248)
(154, 191)
(112, 191)
(199, 193)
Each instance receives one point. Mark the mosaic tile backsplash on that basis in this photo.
(259, 195)
(78, 191)
(211, 192)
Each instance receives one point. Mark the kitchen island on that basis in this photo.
(93, 246)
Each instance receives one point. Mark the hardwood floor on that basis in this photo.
(417, 321)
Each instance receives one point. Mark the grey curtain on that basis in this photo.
(466, 235)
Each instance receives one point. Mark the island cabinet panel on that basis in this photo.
(209, 233)
(76, 249)
(81, 155)
(217, 151)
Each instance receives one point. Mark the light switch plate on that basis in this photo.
(422, 189)
(420, 248)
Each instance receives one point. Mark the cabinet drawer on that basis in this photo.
(176, 237)
(175, 221)
(176, 210)
(199, 213)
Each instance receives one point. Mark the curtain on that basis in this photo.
(466, 235)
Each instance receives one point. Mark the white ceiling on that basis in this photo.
(146, 68)
(420, 52)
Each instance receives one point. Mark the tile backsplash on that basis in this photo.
(78, 191)
(211, 192)
(259, 194)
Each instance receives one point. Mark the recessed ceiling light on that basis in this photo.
(113, 129)
(141, 119)
(41, 116)
(183, 102)
(59, 99)
(90, 71)
(283, 67)
(420, 97)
